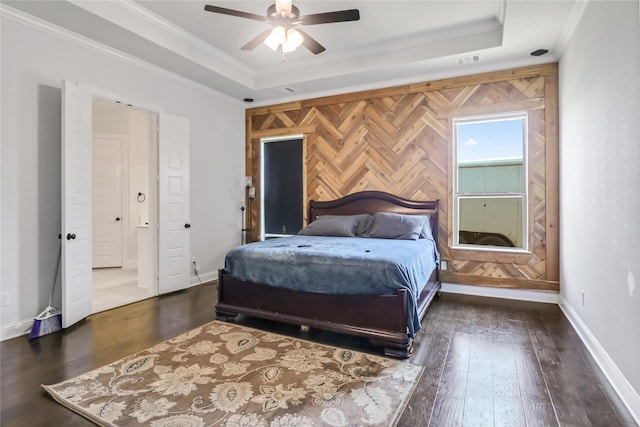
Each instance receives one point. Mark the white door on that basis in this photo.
(107, 200)
(173, 191)
(76, 203)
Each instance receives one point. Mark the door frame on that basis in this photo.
(100, 94)
(152, 162)
(155, 171)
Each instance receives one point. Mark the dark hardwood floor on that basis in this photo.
(488, 362)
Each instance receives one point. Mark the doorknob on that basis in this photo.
(187, 226)
(117, 218)
(71, 236)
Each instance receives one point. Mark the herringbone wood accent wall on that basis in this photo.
(398, 140)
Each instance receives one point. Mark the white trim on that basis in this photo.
(630, 397)
(204, 278)
(124, 196)
(64, 34)
(180, 33)
(23, 327)
(130, 17)
(17, 329)
(570, 27)
(122, 100)
(515, 294)
(522, 116)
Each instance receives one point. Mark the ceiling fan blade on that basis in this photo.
(237, 13)
(329, 17)
(255, 42)
(310, 43)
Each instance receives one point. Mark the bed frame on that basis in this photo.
(380, 318)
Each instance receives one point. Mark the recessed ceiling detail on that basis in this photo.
(393, 42)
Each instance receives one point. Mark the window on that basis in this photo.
(490, 191)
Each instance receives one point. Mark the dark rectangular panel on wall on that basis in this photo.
(283, 186)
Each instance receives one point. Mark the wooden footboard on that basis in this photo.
(380, 318)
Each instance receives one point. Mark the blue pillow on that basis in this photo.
(333, 225)
(387, 225)
(425, 233)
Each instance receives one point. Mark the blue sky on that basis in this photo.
(490, 140)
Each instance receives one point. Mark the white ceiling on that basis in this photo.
(394, 42)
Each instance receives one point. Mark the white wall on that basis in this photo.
(34, 62)
(600, 188)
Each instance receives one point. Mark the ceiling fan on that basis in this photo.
(284, 17)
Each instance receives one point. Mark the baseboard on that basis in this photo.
(204, 278)
(506, 293)
(20, 328)
(628, 395)
(23, 327)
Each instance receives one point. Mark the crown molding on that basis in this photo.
(571, 25)
(31, 21)
(144, 23)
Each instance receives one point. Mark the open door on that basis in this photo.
(173, 203)
(76, 203)
(173, 191)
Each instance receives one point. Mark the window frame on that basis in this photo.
(523, 196)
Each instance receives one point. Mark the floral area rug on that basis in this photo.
(222, 374)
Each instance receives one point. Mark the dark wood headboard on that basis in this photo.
(371, 202)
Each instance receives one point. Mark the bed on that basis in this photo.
(382, 300)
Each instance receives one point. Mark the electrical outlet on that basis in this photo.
(443, 264)
(248, 181)
(4, 299)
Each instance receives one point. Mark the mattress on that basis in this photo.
(339, 265)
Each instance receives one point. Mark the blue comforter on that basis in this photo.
(339, 265)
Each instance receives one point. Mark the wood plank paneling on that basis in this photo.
(552, 179)
(398, 140)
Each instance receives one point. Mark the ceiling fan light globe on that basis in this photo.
(294, 37)
(288, 47)
(276, 38)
